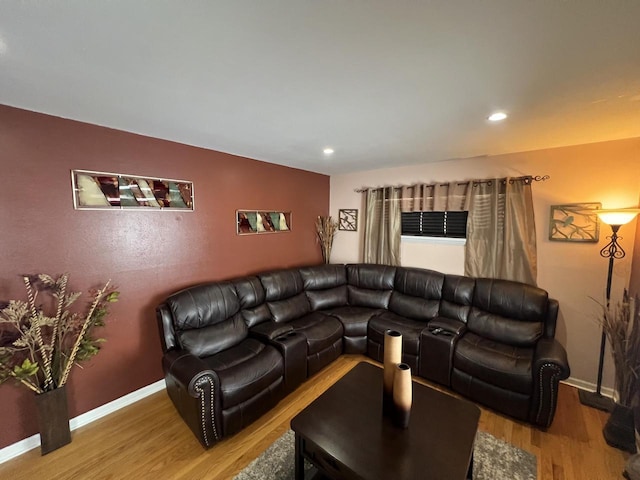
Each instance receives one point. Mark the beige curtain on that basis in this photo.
(436, 197)
(501, 234)
(382, 227)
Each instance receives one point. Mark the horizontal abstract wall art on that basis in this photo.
(101, 190)
(262, 221)
(574, 222)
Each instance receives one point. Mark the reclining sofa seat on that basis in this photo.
(507, 357)
(289, 304)
(413, 300)
(330, 293)
(219, 378)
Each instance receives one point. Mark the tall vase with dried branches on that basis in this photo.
(42, 338)
(326, 229)
(622, 328)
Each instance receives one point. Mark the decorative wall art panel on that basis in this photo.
(262, 221)
(574, 222)
(100, 190)
(348, 219)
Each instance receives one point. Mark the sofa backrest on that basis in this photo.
(284, 294)
(508, 312)
(325, 286)
(416, 293)
(251, 296)
(457, 297)
(206, 318)
(370, 285)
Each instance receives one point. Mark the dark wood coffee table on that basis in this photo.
(345, 436)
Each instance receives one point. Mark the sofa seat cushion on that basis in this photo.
(410, 330)
(354, 319)
(245, 370)
(321, 331)
(505, 366)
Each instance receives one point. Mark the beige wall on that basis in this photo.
(607, 172)
(634, 283)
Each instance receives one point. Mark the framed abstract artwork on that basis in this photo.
(250, 222)
(574, 222)
(348, 219)
(105, 191)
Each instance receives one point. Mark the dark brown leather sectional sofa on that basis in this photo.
(233, 349)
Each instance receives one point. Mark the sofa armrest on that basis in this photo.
(187, 369)
(293, 348)
(437, 343)
(446, 326)
(268, 331)
(550, 351)
(194, 389)
(549, 366)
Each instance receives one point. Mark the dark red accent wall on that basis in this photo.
(147, 254)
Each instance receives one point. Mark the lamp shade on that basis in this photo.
(617, 216)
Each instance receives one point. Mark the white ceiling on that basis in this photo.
(382, 82)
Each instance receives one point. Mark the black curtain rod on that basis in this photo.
(532, 178)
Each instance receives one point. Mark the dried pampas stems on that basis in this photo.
(326, 229)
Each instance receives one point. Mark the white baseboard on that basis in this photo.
(591, 387)
(33, 441)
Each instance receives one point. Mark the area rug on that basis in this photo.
(493, 460)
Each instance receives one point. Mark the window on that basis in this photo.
(435, 224)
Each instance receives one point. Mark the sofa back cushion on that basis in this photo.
(508, 312)
(251, 295)
(370, 285)
(205, 318)
(210, 340)
(290, 308)
(328, 298)
(371, 276)
(457, 297)
(281, 284)
(322, 277)
(416, 293)
(285, 297)
(325, 286)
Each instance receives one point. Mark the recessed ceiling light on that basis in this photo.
(497, 116)
(328, 151)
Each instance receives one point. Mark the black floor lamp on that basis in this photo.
(612, 251)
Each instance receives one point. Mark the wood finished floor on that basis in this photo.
(148, 440)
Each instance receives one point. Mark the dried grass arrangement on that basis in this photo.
(326, 229)
(41, 342)
(622, 327)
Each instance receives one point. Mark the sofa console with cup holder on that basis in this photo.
(233, 349)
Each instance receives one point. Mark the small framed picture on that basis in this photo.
(574, 222)
(262, 221)
(348, 219)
